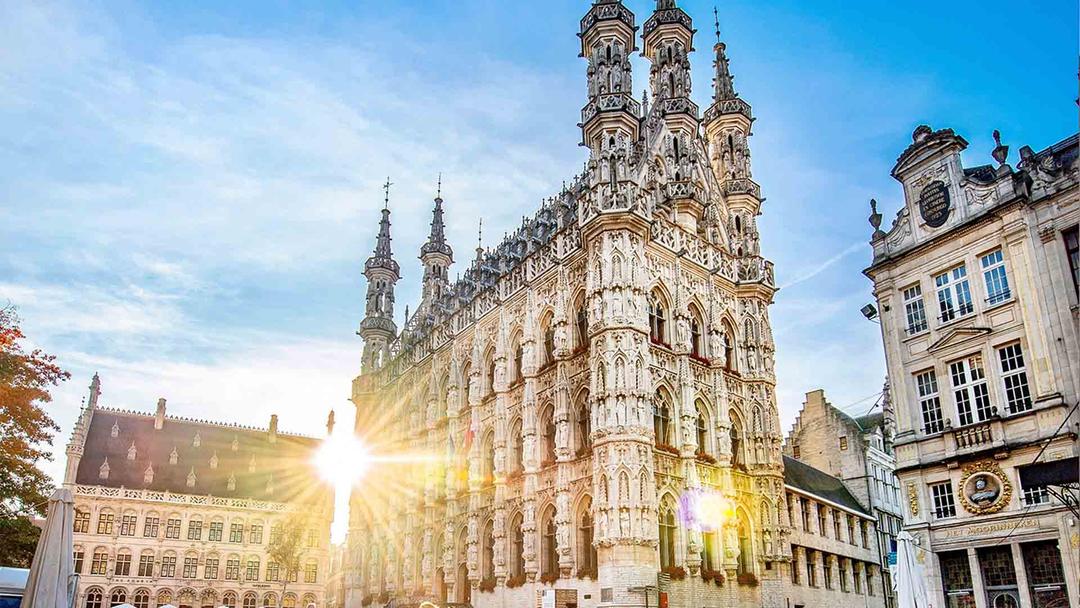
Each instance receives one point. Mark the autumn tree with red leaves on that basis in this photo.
(26, 432)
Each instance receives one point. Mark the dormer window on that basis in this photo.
(270, 484)
(232, 482)
(132, 452)
(196, 441)
(214, 461)
(103, 471)
(191, 479)
(235, 444)
(148, 474)
(173, 456)
(115, 430)
(251, 464)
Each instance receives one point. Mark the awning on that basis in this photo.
(1052, 473)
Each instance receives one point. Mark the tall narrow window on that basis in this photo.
(1072, 252)
(127, 525)
(954, 294)
(969, 390)
(667, 537)
(548, 546)
(661, 420)
(517, 549)
(657, 320)
(735, 435)
(697, 345)
(146, 564)
(746, 547)
(82, 521)
(995, 278)
(956, 577)
(811, 568)
(929, 402)
(77, 558)
(100, 563)
(729, 347)
(584, 426)
(708, 550)
(516, 447)
(914, 310)
(547, 437)
(582, 324)
(702, 431)
(123, 564)
(168, 566)
(549, 343)
(1014, 377)
(487, 546)
(105, 523)
(518, 356)
(586, 551)
(944, 503)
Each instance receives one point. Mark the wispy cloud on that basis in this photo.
(825, 265)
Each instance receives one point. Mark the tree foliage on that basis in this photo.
(286, 548)
(26, 431)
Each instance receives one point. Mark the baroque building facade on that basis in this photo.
(599, 386)
(181, 512)
(858, 451)
(976, 282)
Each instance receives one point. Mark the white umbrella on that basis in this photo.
(910, 575)
(51, 584)
(123, 606)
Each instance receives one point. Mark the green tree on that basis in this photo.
(286, 549)
(26, 431)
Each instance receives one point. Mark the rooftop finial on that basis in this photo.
(438, 191)
(480, 239)
(386, 187)
(716, 18)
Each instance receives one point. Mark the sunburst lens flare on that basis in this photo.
(343, 460)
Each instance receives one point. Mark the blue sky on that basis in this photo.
(188, 190)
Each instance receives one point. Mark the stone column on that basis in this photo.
(1021, 575)
(977, 588)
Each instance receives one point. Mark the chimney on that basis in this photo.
(159, 416)
(273, 428)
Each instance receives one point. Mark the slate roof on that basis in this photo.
(819, 483)
(283, 470)
(870, 422)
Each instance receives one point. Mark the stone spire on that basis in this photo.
(436, 256)
(382, 272)
(723, 81)
(668, 38)
(95, 391)
(607, 39)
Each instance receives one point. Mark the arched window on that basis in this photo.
(466, 386)
(548, 333)
(746, 557)
(736, 434)
(487, 568)
(661, 419)
(519, 355)
(487, 452)
(516, 448)
(489, 380)
(249, 600)
(729, 346)
(581, 324)
(289, 601)
(517, 549)
(309, 600)
(462, 583)
(547, 437)
(586, 550)
(118, 596)
(657, 319)
(93, 598)
(229, 599)
(270, 600)
(667, 536)
(697, 327)
(549, 565)
(701, 429)
(165, 597)
(708, 550)
(584, 424)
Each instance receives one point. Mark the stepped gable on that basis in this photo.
(283, 470)
(819, 483)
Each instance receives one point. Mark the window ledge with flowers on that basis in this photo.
(366, 600)
(670, 449)
(747, 578)
(384, 597)
(700, 359)
(549, 578)
(515, 581)
(677, 573)
(716, 576)
(487, 585)
(704, 457)
(587, 573)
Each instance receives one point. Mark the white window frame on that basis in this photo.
(915, 310)
(954, 294)
(941, 497)
(1014, 379)
(995, 277)
(971, 395)
(926, 385)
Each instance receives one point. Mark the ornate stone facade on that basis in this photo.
(584, 381)
(976, 282)
(176, 511)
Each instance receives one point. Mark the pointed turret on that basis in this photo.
(382, 272)
(607, 39)
(668, 40)
(436, 256)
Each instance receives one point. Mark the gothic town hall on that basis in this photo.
(599, 387)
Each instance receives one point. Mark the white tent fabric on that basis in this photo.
(123, 606)
(910, 574)
(51, 584)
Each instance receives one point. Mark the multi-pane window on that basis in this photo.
(914, 310)
(805, 514)
(826, 570)
(1072, 251)
(168, 567)
(795, 566)
(1035, 495)
(856, 571)
(997, 281)
(105, 523)
(850, 529)
(312, 538)
(127, 525)
(252, 572)
(811, 568)
(150, 527)
(82, 522)
(215, 531)
(210, 569)
(100, 563)
(146, 565)
(273, 572)
(236, 533)
(1014, 377)
(311, 572)
(842, 566)
(78, 557)
(232, 570)
(172, 528)
(255, 536)
(836, 525)
(1045, 574)
(954, 294)
(969, 390)
(929, 402)
(942, 497)
(275, 533)
(821, 513)
(123, 565)
(191, 566)
(194, 529)
(865, 528)
(869, 579)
